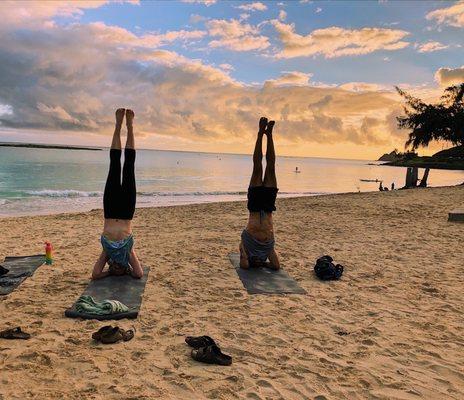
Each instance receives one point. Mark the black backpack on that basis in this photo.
(326, 270)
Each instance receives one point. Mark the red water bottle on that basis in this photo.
(48, 253)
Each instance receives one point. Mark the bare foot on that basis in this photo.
(270, 127)
(262, 125)
(129, 116)
(120, 115)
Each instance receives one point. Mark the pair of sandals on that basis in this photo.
(206, 350)
(14, 333)
(113, 334)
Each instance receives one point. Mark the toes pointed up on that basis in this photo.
(262, 124)
(129, 116)
(270, 127)
(120, 115)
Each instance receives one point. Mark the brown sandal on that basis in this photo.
(104, 329)
(14, 333)
(116, 334)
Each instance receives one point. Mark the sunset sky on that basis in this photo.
(199, 74)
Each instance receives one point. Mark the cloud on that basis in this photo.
(226, 67)
(207, 3)
(71, 77)
(38, 13)
(430, 47)
(337, 42)
(291, 78)
(450, 76)
(256, 6)
(195, 18)
(282, 15)
(77, 75)
(6, 109)
(362, 87)
(452, 16)
(236, 35)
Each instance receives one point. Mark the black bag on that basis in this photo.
(326, 270)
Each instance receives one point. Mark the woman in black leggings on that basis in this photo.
(119, 207)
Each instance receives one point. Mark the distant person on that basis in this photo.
(381, 186)
(296, 170)
(257, 241)
(119, 207)
(393, 186)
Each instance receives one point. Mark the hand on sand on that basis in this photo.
(270, 127)
(120, 115)
(129, 116)
(262, 124)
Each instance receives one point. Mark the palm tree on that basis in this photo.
(429, 122)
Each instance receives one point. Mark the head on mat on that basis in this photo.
(119, 200)
(257, 240)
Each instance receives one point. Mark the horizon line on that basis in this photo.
(183, 151)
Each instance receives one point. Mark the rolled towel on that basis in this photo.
(86, 304)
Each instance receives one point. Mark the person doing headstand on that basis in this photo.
(257, 240)
(119, 201)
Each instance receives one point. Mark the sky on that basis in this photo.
(200, 73)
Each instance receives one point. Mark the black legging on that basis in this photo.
(119, 199)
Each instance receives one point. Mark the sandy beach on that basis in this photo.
(390, 329)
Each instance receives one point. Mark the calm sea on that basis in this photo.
(46, 181)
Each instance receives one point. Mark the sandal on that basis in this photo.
(211, 355)
(14, 333)
(104, 329)
(116, 334)
(199, 341)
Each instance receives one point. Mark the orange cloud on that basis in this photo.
(450, 76)
(235, 35)
(452, 16)
(431, 46)
(256, 6)
(336, 42)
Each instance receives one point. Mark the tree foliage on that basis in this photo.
(443, 121)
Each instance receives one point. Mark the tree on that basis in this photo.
(428, 122)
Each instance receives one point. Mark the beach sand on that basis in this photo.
(392, 328)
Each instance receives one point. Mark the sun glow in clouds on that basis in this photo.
(199, 79)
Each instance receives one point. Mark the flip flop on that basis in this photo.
(104, 329)
(14, 333)
(199, 341)
(211, 355)
(116, 334)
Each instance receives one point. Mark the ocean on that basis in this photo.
(47, 181)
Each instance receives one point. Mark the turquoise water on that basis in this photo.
(46, 181)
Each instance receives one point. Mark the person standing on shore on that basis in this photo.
(119, 206)
(257, 240)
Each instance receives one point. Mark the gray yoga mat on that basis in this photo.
(124, 288)
(20, 268)
(265, 280)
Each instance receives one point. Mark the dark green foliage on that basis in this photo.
(443, 121)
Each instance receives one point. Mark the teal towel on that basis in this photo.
(86, 304)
